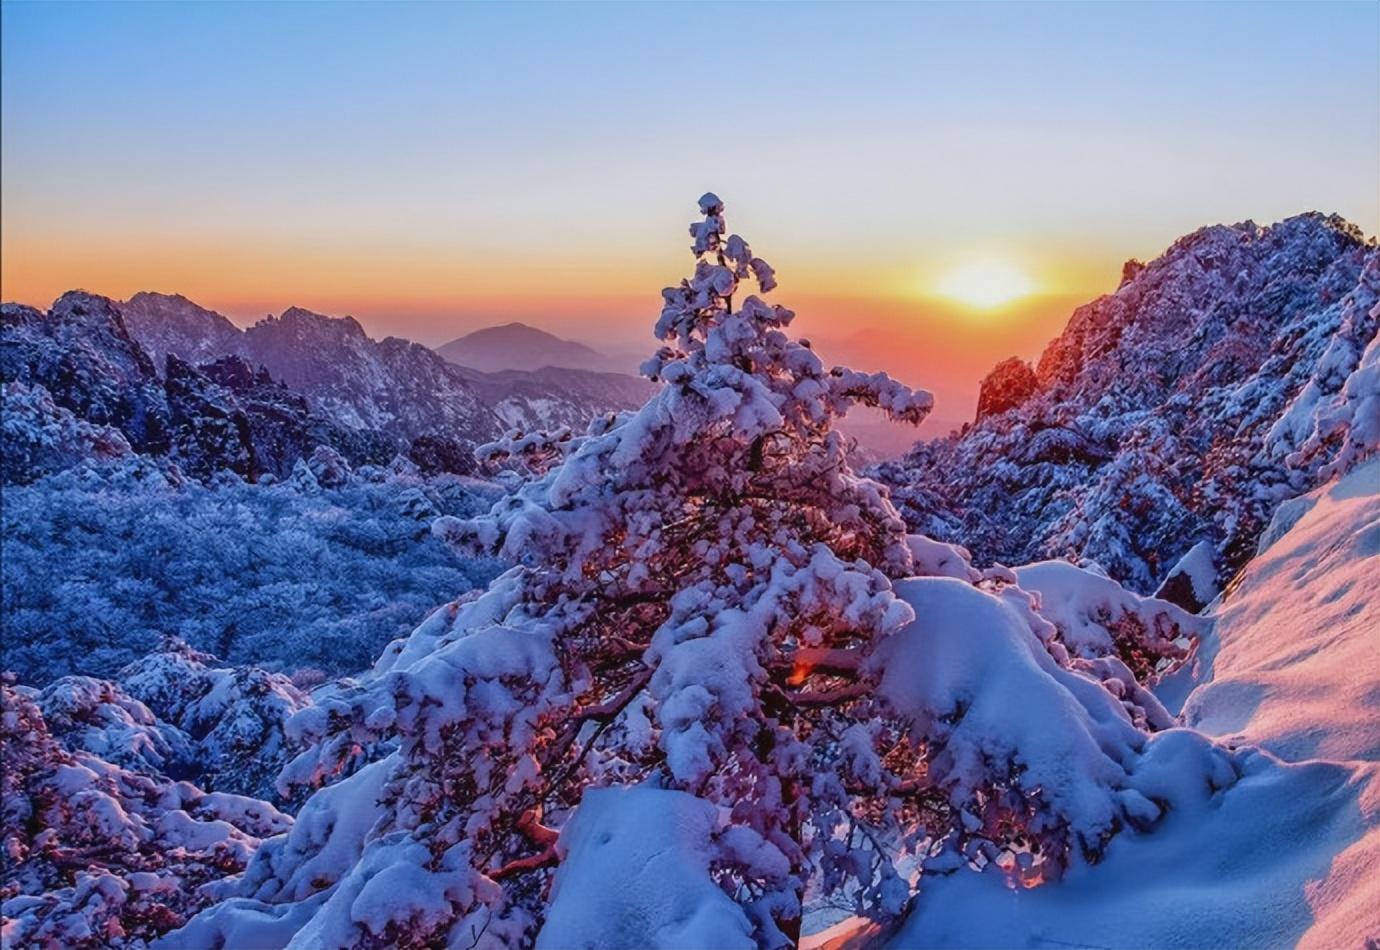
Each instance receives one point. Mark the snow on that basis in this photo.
(1196, 573)
(1074, 750)
(1234, 869)
(1096, 616)
(100, 560)
(1283, 856)
(636, 875)
(1296, 636)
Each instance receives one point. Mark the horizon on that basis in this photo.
(1030, 324)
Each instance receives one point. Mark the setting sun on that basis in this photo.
(985, 283)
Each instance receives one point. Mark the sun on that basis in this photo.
(985, 283)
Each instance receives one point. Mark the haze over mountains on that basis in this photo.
(519, 346)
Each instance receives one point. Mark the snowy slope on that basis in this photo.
(1294, 663)
(1286, 855)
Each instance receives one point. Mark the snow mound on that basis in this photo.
(1077, 761)
(636, 874)
(1235, 869)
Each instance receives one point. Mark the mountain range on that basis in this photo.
(176, 379)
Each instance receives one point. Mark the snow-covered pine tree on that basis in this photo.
(697, 697)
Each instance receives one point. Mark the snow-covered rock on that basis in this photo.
(637, 873)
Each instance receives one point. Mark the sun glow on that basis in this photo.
(985, 283)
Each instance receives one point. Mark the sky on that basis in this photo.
(433, 168)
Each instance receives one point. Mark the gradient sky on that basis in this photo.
(433, 168)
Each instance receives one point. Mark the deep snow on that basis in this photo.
(1286, 855)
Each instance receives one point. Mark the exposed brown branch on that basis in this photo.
(829, 697)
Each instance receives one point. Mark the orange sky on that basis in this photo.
(902, 326)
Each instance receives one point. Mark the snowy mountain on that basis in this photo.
(1162, 415)
(392, 385)
(518, 346)
(75, 373)
(170, 323)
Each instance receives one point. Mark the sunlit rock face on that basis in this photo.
(1148, 427)
(1010, 383)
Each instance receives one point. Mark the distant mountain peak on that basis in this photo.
(301, 320)
(518, 345)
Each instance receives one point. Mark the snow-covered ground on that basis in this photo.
(1290, 678)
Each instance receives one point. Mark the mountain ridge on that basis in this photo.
(393, 383)
(1153, 420)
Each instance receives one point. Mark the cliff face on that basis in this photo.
(1146, 427)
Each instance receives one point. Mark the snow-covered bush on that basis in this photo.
(102, 560)
(707, 610)
(1097, 617)
(41, 437)
(99, 856)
